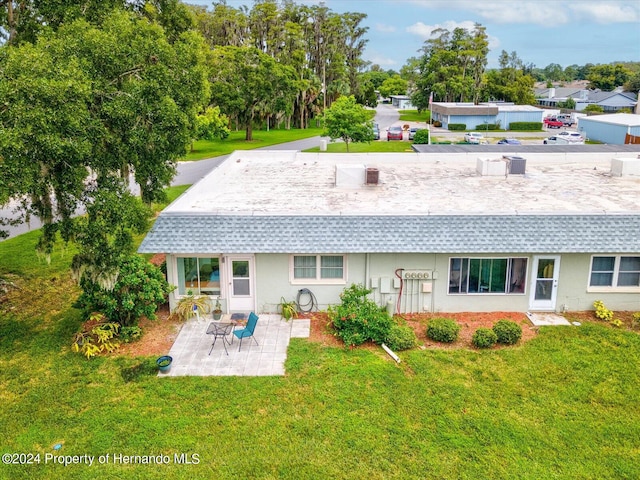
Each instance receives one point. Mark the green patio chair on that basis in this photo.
(248, 330)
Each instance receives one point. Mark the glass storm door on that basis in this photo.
(544, 283)
(241, 284)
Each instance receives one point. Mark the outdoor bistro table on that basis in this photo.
(225, 327)
(220, 329)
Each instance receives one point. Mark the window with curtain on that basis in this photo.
(318, 268)
(614, 271)
(198, 275)
(487, 275)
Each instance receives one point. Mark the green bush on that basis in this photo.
(401, 337)
(457, 126)
(443, 330)
(490, 126)
(484, 338)
(507, 332)
(130, 334)
(635, 320)
(140, 288)
(421, 137)
(359, 319)
(525, 126)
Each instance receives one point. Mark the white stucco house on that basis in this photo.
(436, 232)
(478, 117)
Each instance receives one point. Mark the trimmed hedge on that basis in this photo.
(457, 126)
(401, 337)
(507, 332)
(421, 137)
(484, 338)
(525, 126)
(443, 330)
(490, 126)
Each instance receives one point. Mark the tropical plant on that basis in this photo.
(289, 310)
(97, 336)
(190, 304)
(217, 309)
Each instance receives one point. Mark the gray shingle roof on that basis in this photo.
(208, 233)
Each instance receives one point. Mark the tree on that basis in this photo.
(211, 125)
(509, 83)
(393, 86)
(569, 104)
(593, 108)
(347, 120)
(608, 77)
(247, 84)
(633, 84)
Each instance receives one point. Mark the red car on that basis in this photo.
(552, 122)
(394, 133)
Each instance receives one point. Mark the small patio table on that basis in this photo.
(220, 329)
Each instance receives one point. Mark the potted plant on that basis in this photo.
(217, 310)
(192, 305)
(164, 363)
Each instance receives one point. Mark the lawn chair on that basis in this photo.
(248, 330)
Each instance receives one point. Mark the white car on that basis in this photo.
(555, 140)
(474, 137)
(571, 136)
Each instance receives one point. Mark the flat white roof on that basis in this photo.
(294, 183)
(625, 119)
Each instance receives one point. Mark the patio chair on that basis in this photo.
(248, 330)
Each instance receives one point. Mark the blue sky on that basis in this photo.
(541, 32)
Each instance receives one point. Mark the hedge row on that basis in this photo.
(525, 126)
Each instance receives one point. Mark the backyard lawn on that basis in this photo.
(563, 405)
(374, 146)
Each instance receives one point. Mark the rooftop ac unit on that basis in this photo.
(517, 165)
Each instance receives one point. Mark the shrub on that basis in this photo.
(421, 137)
(507, 332)
(457, 126)
(602, 312)
(488, 126)
(437, 123)
(484, 338)
(525, 126)
(140, 288)
(635, 320)
(130, 334)
(401, 337)
(358, 318)
(443, 330)
(97, 336)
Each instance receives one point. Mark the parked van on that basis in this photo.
(566, 119)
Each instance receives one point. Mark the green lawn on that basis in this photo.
(564, 405)
(414, 116)
(375, 146)
(236, 141)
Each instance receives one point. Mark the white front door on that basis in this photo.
(544, 282)
(240, 283)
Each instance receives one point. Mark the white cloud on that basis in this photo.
(425, 31)
(381, 27)
(545, 13)
(383, 61)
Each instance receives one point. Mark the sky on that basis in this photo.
(541, 32)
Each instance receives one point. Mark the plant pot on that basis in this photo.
(217, 315)
(164, 363)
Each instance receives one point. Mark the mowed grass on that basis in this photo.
(375, 146)
(236, 141)
(414, 116)
(561, 406)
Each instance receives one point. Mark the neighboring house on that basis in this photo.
(401, 102)
(615, 128)
(477, 117)
(610, 102)
(436, 232)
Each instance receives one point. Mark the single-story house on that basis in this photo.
(610, 102)
(475, 117)
(615, 128)
(401, 102)
(426, 232)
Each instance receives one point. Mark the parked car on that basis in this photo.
(394, 133)
(412, 132)
(376, 131)
(555, 140)
(509, 141)
(474, 137)
(572, 136)
(552, 122)
(566, 119)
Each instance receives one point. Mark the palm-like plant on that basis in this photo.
(192, 305)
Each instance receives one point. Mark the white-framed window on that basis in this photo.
(487, 275)
(198, 275)
(330, 269)
(614, 271)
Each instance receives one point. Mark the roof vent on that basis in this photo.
(372, 176)
(516, 165)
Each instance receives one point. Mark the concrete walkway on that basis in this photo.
(190, 351)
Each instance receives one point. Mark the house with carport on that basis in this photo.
(442, 231)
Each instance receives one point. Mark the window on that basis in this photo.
(487, 275)
(318, 268)
(198, 275)
(615, 271)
